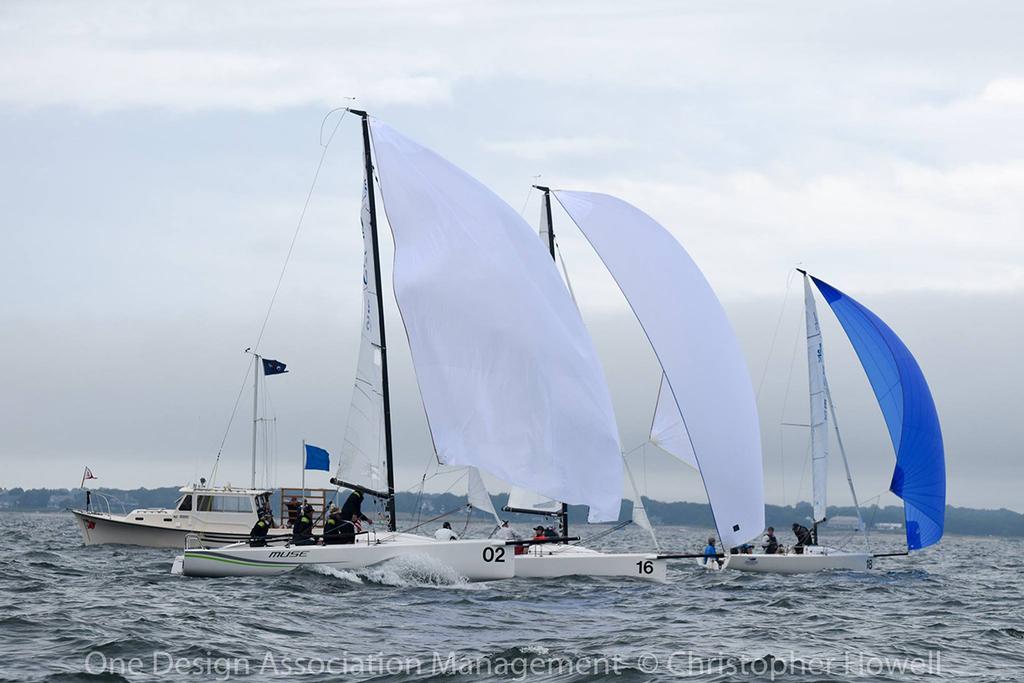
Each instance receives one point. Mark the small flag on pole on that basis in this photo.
(317, 459)
(273, 367)
(86, 475)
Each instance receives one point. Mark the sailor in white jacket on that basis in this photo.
(445, 533)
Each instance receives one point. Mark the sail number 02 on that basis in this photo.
(645, 567)
(494, 554)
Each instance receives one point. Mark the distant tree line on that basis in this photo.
(968, 521)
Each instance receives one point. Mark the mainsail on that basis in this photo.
(818, 404)
(509, 377)
(906, 402)
(362, 451)
(697, 349)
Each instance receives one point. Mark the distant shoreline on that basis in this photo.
(959, 520)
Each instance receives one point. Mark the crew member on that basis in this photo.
(352, 509)
(445, 533)
(302, 530)
(803, 537)
(258, 534)
(771, 544)
(510, 534)
(336, 530)
(293, 510)
(538, 533)
(710, 553)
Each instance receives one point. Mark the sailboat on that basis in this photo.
(566, 558)
(508, 376)
(704, 374)
(906, 402)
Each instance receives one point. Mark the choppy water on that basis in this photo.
(69, 613)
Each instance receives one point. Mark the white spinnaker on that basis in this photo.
(518, 497)
(697, 349)
(668, 431)
(362, 452)
(819, 405)
(478, 495)
(510, 379)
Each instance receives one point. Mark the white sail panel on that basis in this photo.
(478, 495)
(509, 377)
(696, 347)
(362, 452)
(668, 431)
(640, 517)
(524, 499)
(819, 406)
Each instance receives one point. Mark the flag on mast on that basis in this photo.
(86, 475)
(273, 367)
(317, 458)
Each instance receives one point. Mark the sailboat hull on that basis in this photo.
(473, 560)
(548, 562)
(815, 560)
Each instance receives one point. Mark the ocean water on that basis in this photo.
(72, 613)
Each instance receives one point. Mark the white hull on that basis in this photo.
(474, 560)
(101, 528)
(816, 559)
(553, 561)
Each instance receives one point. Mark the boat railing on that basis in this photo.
(106, 502)
(193, 542)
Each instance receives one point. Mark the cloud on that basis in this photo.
(1004, 91)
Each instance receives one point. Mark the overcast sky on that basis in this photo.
(156, 158)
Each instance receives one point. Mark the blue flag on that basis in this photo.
(317, 459)
(273, 367)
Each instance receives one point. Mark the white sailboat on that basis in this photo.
(566, 558)
(704, 377)
(909, 412)
(509, 378)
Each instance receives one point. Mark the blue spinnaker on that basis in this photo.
(906, 402)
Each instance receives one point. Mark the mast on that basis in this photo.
(548, 225)
(818, 404)
(255, 412)
(385, 389)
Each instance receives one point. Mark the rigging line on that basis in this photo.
(302, 216)
(775, 334)
(782, 417)
(529, 193)
(284, 267)
(234, 411)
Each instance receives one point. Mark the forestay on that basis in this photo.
(906, 402)
(696, 347)
(509, 377)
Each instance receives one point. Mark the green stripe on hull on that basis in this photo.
(231, 560)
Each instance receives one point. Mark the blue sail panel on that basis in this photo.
(909, 411)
